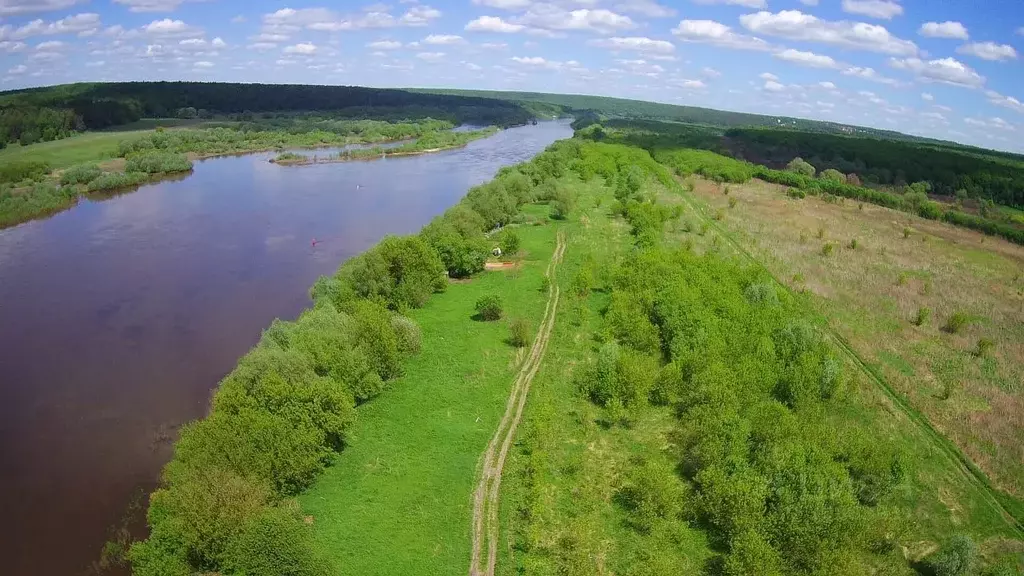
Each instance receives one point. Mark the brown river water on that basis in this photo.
(118, 317)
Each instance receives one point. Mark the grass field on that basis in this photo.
(872, 295)
(399, 501)
(87, 147)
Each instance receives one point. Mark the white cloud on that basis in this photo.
(927, 97)
(709, 72)
(262, 46)
(690, 84)
(11, 47)
(151, 5)
(884, 9)
(809, 2)
(543, 63)
(444, 39)
(948, 29)
(806, 59)
(473, 67)
(494, 46)
(795, 25)
(50, 45)
(504, 4)
(420, 16)
(19, 69)
(203, 64)
(1005, 101)
(717, 34)
(945, 70)
(994, 122)
(290, 20)
(552, 17)
(238, 19)
(827, 85)
(9, 7)
(218, 42)
(934, 116)
(95, 64)
(494, 24)
(768, 76)
(647, 8)
(744, 3)
(866, 73)
(989, 51)
(301, 48)
(81, 23)
(170, 28)
(384, 45)
(430, 56)
(636, 44)
(773, 86)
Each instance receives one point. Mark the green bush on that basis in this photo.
(833, 175)
(80, 174)
(18, 171)
(509, 242)
(109, 181)
(410, 337)
(827, 249)
(853, 244)
(489, 308)
(652, 492)
(276, 542)
(956, 322)
(984, 347)
(158, 162)
(563, 203)
(733, 202)
(800, 166)
(519, 333)
(959, 557)
(923, 314)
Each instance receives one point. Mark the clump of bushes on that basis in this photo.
(80, 174)
(733, 202)
(984, 347)
(509, 242)
(800, 166)
(959, 557)
(158, 162)
(922, 316)
(21, 170)
(489, 308)
(827, 249)
(957, 322)
(519, 333)
(853, 244)
(117, 181)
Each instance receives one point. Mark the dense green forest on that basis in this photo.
(43, 114)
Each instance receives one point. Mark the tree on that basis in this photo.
(801, 166)
(489, 308)
(833, 175)
(959, 557)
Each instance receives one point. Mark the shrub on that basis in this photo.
(832, 175)
(853, 244)
(23, 170)
(509, 242)
(957, 322)
(984, 347)
(923, 314)
(563, 203)
(719, 214)
(519, 333)
(154, 163)
(906, 233)
(81, 174)
(650, 493)
(277, 542)
(410, 337)
(959, 557)
(116, 181)
(827, 249)
(732, 202)
(489, 308)
(800, 166)
(821, 232)
(582, 282)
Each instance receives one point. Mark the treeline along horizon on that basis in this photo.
(43, 114)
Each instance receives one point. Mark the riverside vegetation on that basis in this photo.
(693, 415)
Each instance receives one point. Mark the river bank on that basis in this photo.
(428, 144)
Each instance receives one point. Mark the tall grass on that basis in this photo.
(116, 181)
(158, 162)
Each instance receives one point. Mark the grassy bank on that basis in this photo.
(34, 181)
(285, 415)
(428, 143)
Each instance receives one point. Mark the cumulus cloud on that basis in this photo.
(989, 51)
(709, 72)
(552, 17)
(768, 76)
(647, 8)
(420, 16)
(218, 42)
(773, 86)
(1005, 101)
(430, 56)
(11, 7)
(927, 97)
(19, 69)
(151, 5)
(170, 28)
(945, 70)
(444, 39)
(203, 64)
(948, 29)
(795, 25)
(504, 4)
(290, 20)
(11, 47)
(883, 9)
(717, 34)
(50, 45)
(806, 59)
(301, 48)
(384, 45)
(744, 3)
(545, 64)
(867, 73)
(494, 24)
(635, 44)
(80, 23)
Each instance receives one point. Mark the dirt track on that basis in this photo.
(485, 497)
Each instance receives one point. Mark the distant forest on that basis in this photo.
(43, 114)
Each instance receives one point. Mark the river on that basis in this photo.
(118, 317)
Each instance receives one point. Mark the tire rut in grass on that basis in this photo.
(487, 492)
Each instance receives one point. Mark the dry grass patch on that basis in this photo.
(872, 294)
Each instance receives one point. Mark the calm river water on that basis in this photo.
(118, 317)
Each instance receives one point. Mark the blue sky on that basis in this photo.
(948, 69)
